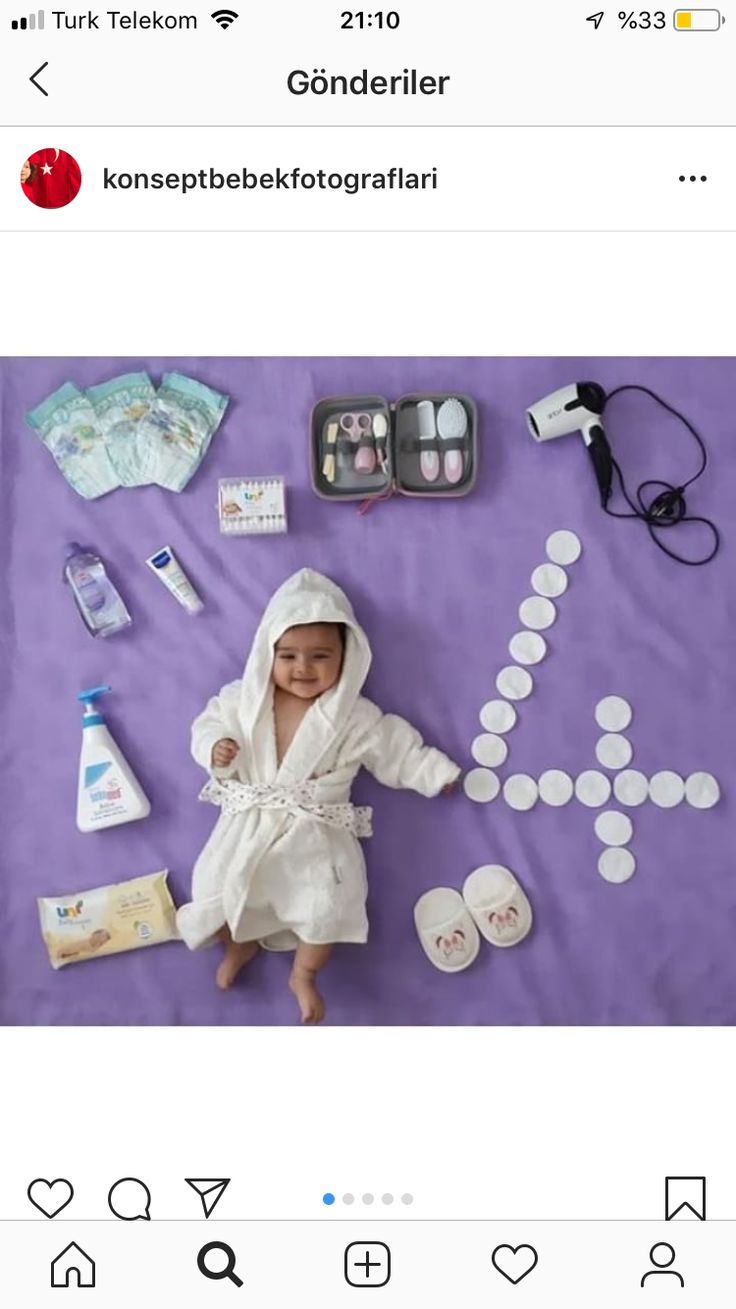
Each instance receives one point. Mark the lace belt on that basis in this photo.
(235, 797)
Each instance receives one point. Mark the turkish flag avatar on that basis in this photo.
(50, 178)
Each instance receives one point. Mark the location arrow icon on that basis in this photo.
(209, 1189)
(596, 18)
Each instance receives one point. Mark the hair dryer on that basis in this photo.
(577, 408)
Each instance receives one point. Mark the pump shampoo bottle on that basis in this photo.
(109, 792)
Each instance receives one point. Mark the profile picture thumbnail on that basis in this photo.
(50, 178)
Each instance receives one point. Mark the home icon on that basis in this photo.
(72, 1267)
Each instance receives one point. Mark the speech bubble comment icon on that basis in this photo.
(129, 1198)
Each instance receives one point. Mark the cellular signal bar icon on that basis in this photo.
(32, 23)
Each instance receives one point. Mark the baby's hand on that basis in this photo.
(224, 751)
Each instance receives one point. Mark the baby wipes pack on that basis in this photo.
(108, 919)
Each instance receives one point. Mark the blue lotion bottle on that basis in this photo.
(101, 606)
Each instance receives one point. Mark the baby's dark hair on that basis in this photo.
(342, 629)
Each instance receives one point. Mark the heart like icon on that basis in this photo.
(514, 1262)
(50, 1197)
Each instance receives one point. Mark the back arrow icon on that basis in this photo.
(596, 18)
(33, 77)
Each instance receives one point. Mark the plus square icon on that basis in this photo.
(367, 1263)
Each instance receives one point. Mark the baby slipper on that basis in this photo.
(448, 934)
(498, 904)
(279, 942)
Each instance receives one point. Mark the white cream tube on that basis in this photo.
(166, 566)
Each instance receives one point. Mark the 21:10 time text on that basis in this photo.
(360, 19)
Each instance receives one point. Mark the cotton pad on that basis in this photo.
(702, 790)
(520, 791)
(617, 865)
(666, 789)
(614, 751)
(613, 713)
(527, 647)
(593, 788)
(537, 612)
(613, 828)
(555, 787)
(631, 787)
(549, 580)
(515, 683)
(498, 716)
(489, 750)
(563, 547)
(481, 785)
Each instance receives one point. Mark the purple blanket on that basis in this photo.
(437, 586)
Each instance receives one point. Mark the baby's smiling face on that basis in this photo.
(307, 659)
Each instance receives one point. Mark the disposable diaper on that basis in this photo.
(108, 920)
(121, 405)
(67, 425)
(178, 429)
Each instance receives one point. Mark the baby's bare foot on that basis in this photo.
(311, 1004)
(237, 955)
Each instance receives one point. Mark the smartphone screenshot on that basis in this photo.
(367, 692)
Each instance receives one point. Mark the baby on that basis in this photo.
(283, 869)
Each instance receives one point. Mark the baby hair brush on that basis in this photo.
(452, 424)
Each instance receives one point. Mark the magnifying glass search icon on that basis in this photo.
(218, 1274)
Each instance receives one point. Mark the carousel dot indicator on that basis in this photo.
(328, 1198)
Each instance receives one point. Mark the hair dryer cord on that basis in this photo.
(667, 508)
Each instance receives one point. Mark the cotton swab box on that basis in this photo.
(252, 506)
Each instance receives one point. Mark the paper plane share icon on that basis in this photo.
(209, 1189)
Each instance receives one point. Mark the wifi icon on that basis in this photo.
(225, 18)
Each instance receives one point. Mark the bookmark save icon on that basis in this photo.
(209, 1189)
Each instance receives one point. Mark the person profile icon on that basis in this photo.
(662, 1255)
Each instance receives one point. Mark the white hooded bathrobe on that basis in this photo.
(283, 863)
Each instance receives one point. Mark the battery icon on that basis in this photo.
(697, 20)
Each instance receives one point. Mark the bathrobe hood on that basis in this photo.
(305, 597)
